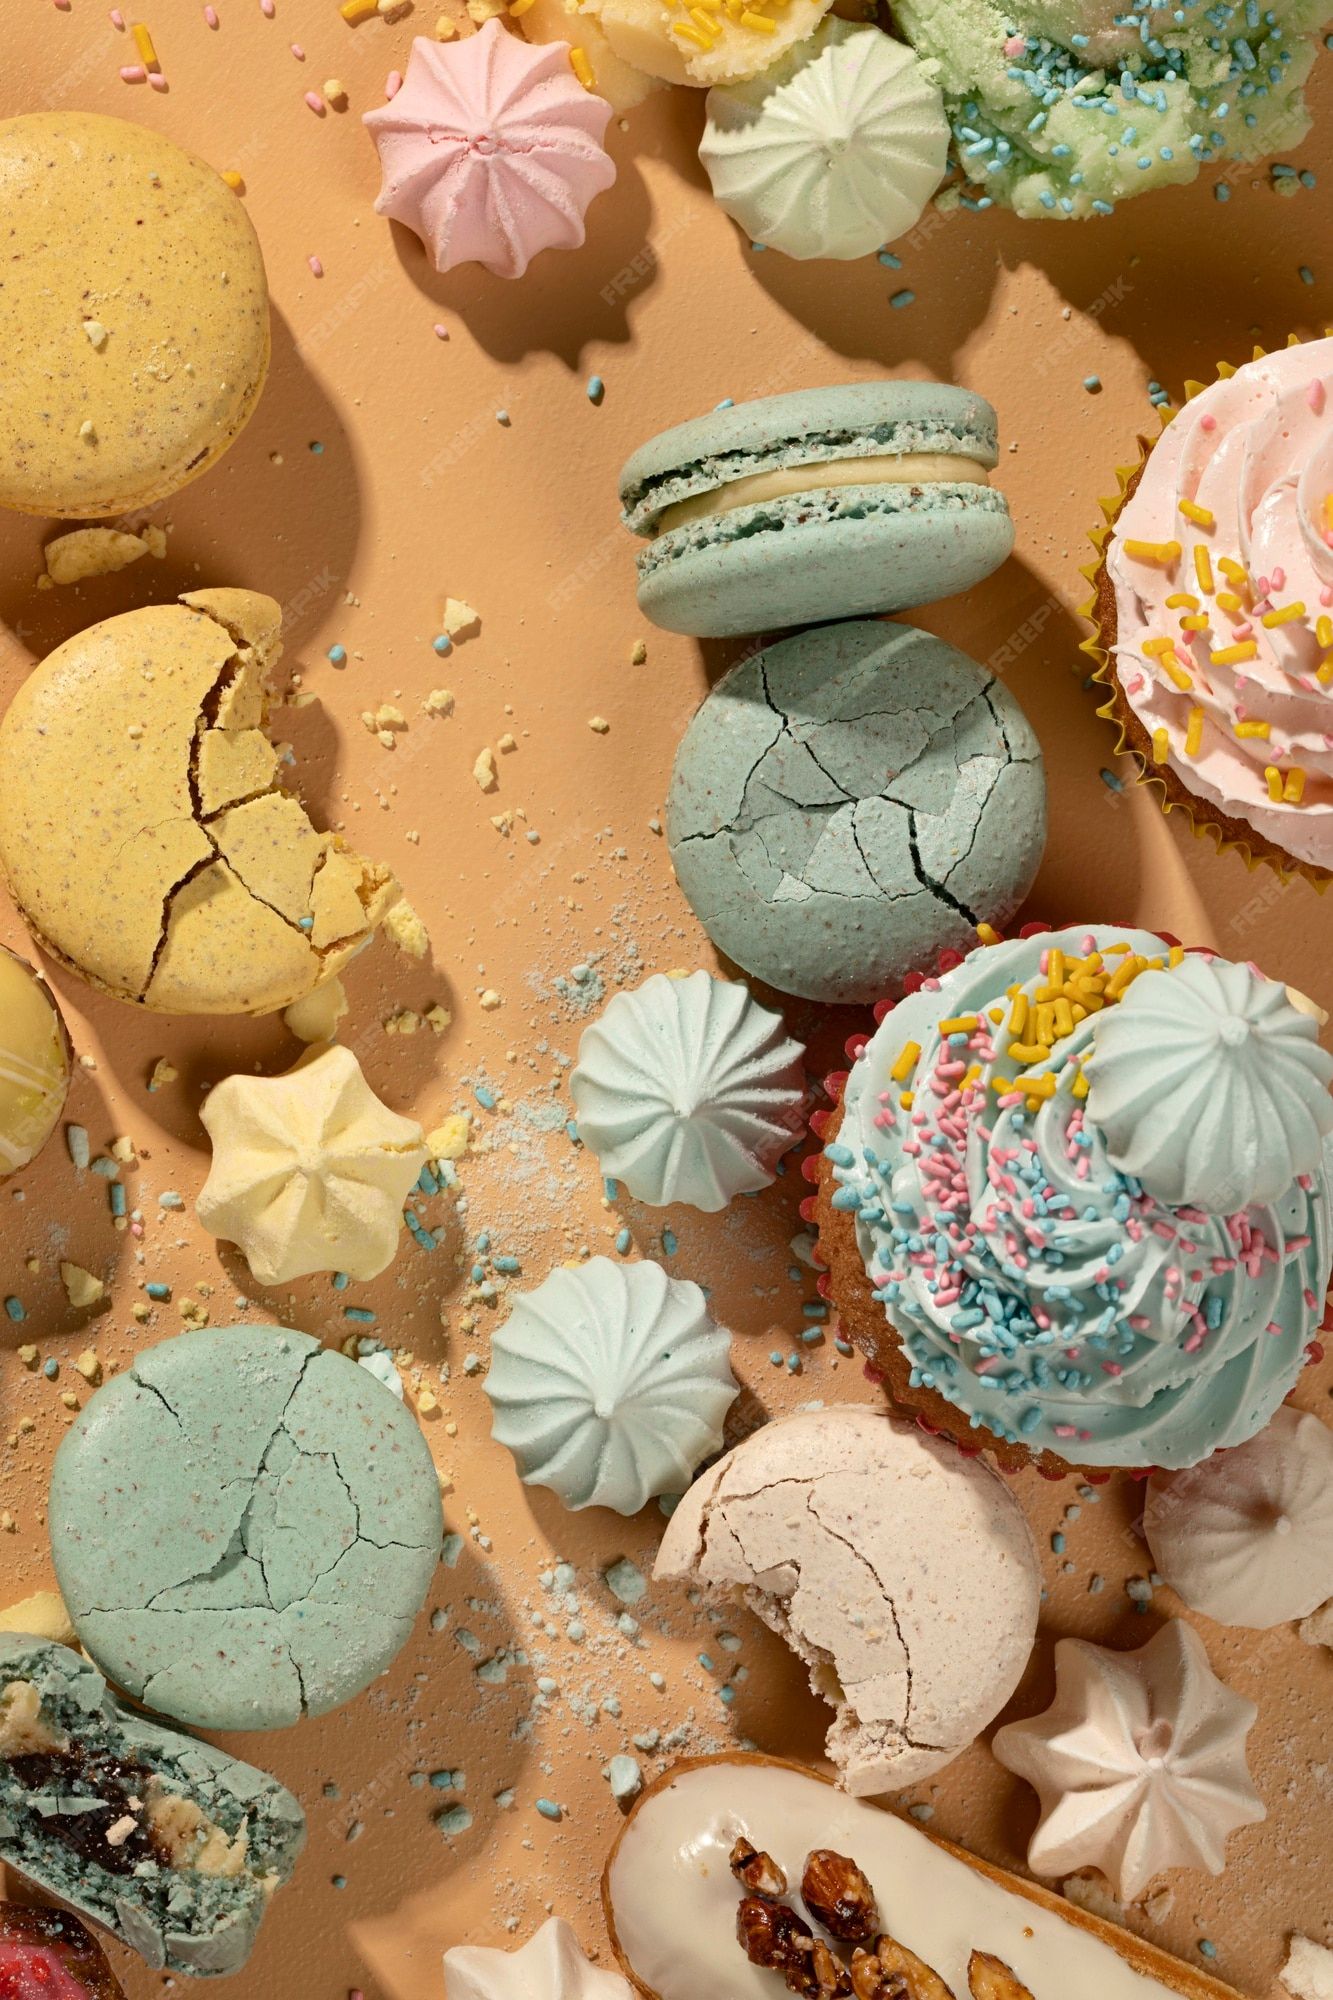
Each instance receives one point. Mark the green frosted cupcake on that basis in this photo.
(1064, 107)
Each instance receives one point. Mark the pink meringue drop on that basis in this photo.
(491, 151)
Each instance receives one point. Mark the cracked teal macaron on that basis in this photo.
(827, 503)
(850, 803)
(244, 1526)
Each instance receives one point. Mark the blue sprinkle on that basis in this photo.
(1057, 1544)
(890, 262)
(1305, 274)
(900, 299)
(171, 1200)
(1092, 383)
(117, 1194)
(509, 1266)
(485, 1098)
(1110, 780)
(596, 389)
(51, 1369)
(549, 1809)
(158, 1292)
(669, 1243)
(340, 1281)
(316, 447)
(362, 1315)
(442, 644)
(337, 656)
(624, 1242)
(16, 1309)
(1207, 1949)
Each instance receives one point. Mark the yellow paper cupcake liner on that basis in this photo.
(1252, 849)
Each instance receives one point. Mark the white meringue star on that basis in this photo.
(1139, 1762)
(310, 1171)
(550, 1966)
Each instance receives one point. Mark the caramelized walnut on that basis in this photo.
(758, 1872)
(915, 1979)
(871, 1982)
(773, 1936)
(990, 1979)
(834, 1981)
(839, 1897)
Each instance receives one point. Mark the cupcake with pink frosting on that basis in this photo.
(1214, 609)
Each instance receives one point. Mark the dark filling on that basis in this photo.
(80, 1774)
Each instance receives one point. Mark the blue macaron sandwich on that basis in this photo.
(828, 503)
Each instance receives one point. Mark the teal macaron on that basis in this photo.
(244, 1526)
(823, 504)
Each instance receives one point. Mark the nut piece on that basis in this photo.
(756, 1871)
(773, 1936)
(989, 1979)
(831, 1974)
(915, 1979)
(839, 1897)
(871, 1982)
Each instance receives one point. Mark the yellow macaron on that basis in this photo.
(34, 1063)
(143, 832)
(133, 315)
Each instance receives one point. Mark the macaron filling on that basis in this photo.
(913, 468)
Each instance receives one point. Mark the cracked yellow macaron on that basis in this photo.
(134, 316)
(143, 833)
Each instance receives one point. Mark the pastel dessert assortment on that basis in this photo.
(825, 503)
(851, 802)
(244, 1525)
(134, 320)
(1042, 1243)
(168, 1843)
(903, 1574)
(1060, 1219)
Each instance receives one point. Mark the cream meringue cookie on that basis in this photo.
(1307, 1973)
(688, 1090)
(310, 1171)
(550, 1966)
(902, 1573)
(1139, 1762)
(1247, 1538)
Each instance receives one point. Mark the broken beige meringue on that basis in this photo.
(143, 830)
(726, 1847)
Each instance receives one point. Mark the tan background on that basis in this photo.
(419, 491)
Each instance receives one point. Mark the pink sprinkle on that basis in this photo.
(61, 5)
(316, 267)
(440, 330)
(1064, 1430)
(298, 51)
(211, 17)
(118, 20)
(267, 9)
(316, 103)
(134, 73)
(1326, 594)
(1207, 422)
(393, 83)
(1278, 579)
(1315, 397)
(1272, 1327)
(157, 80)
(1016, 45)
(1112, 1368)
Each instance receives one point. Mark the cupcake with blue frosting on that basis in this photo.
(1075, 1202)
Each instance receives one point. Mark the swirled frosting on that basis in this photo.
(1222, 561)
(1038, 1287)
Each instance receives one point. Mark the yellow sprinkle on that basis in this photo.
(1080, 1085)
(1118, 950)
(749, 19)
(1287, 614)
(1064, 1019)
(1176, 955)
(1203, 568)
(235, 181)
(1194, 733)
(1253, 729)
(1201, 516)
(582, 68)
(1045, 1024)
(1165, 553)
(1027, 1052)
(1274, 777)
(684, 31)
(959, 1024)
(1152, 647)
(1018, 1013)
(1176, 674)
(707, 23)
(908, 1099)
(1229, 601)
(518, 7)
(1323, 630)
(1324, 671)
(143, 42)
(1197, 622)
(1294, 789)
(1231, 656)
(356, 11)
(996, 1015)
(1130, 966)
(972, 1076)
(1055, 966)
(988, 933)
(1182, 600)
(1236, 571)
(906, 1063)
(1036, 1086)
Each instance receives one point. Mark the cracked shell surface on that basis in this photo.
(189, 1919)
(112, 227)
(141, 830)
(688, 1090)
(610, 1383)
(904, 1575)
(244, 1526)
(851, 802)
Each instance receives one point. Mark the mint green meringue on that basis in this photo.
(1210, 1087)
